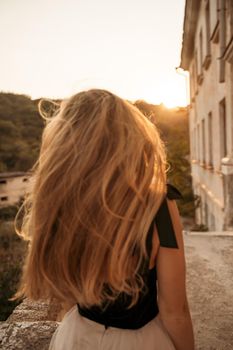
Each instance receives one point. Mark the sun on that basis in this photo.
(172, 92)
(174, 97)
(170, 104)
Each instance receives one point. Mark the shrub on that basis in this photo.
(8, 213)
(12, 252)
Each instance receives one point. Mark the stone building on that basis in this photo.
(207, 54)
(13, 187)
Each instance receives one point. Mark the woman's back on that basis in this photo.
(116, 314)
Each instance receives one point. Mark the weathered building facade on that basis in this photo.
(207, 53)
(13, 187)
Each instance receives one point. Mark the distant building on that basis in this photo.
(13, 187)
(207, 53)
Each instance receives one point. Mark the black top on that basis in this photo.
(115, 314)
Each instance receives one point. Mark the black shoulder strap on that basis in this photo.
(173, 192)
(163, 222)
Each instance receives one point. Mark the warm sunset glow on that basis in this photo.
(174, 99)
(56, 48)
(172, 93)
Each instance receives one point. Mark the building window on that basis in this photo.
(198, 142)
(202, 216)
(197, 70)
(201, 50)
(229, 15)
(206, 214)
(191, 83)
(230, 7)
(222, 40)
(214, 21)
(228, 52)
(3, 199)
(203, 141)
(212, 222)
(210, 139)
(193, 78)
(199, 59)
(207, 24)
(223, 128)
(194, 143)
(3, 182)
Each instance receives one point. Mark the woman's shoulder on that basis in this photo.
(163, 219)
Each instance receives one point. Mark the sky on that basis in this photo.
(56, 48)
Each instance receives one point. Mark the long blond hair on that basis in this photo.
(99, 180)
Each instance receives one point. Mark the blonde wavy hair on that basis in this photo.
(99, 180)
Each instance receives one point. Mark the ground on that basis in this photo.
(210, 289)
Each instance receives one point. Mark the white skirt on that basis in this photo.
(76, 332)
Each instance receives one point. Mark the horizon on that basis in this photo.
(161, 104)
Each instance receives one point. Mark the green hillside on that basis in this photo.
(20, 132)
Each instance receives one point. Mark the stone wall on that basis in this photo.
(30, 326)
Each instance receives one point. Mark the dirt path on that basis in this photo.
(210, 290)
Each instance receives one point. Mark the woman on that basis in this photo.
(103, 227)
